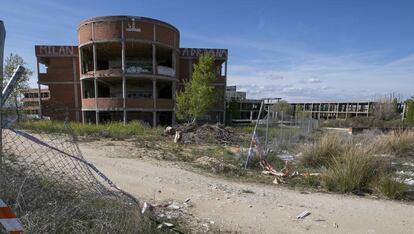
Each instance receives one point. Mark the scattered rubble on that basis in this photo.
(163, 225)
(214, 164)
(206, 133)
(303, 215)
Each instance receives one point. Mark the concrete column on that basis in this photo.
(174, 87)
(81, 83)
(357, 109)
(319, 112)
(123, 74)
(154, 98)
(337, 110)
(75, 87)
(39, 92)
(154, 93)
(95, 82)
(154, 59)
(346, 110)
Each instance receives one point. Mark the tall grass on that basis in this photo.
(353, 171)
(390, 187)
(323, 151)
(115, 130)
(397, 143)
(354, 164)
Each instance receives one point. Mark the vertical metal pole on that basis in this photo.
(254, 134)
(2, 39)
(267, 126)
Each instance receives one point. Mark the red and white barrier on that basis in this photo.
(9, 220)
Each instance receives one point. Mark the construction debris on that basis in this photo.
(169, 131)
(278, 180)
(177, 137)
(303, 214)
(207, 133)
(165, 225)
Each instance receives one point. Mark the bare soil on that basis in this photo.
(229, 206)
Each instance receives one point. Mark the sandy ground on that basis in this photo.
(263, 209)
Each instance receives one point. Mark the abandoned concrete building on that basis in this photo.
(31, 100)
(243, 110)
(124, 68)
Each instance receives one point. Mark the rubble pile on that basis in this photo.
(207, 133)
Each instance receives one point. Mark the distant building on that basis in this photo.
(232, 94)
(335, 110)
(31, 100)
(243, 110)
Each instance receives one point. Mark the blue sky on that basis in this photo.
(308, 50)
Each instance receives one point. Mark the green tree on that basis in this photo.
(11, 63)
(198, 94)
(301, 113)
(409, 105)
(283, 106)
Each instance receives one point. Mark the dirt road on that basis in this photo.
(250, 208)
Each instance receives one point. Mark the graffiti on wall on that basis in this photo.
(196, 52)
(55, 50)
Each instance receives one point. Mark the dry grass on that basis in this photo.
(323, 151)
(359, 163)
(115, 130)
(390, 187)
(352, 171)
(45, 206)
(400, 144)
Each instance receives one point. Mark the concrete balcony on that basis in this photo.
(165, 103)
(104, 103)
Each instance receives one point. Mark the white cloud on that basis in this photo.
(312, 81)
(346, 75)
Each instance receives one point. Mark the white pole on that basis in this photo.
(267, 127)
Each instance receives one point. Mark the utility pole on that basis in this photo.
(2, 39)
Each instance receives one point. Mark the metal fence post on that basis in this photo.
(2, 39)
(267, 127)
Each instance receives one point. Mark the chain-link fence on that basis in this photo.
(276, 133)
(53, 189)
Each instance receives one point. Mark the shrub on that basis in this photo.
(352, 172)
(322, 152)
(391, 188)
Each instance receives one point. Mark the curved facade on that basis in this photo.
(128, 69)
(124, 68)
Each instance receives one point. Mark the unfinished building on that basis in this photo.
(335, 110)
(125, 68)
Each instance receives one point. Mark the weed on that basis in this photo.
(390, 187)
(322, 152)
(247, 191)
(353, 171)
(115, 130)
